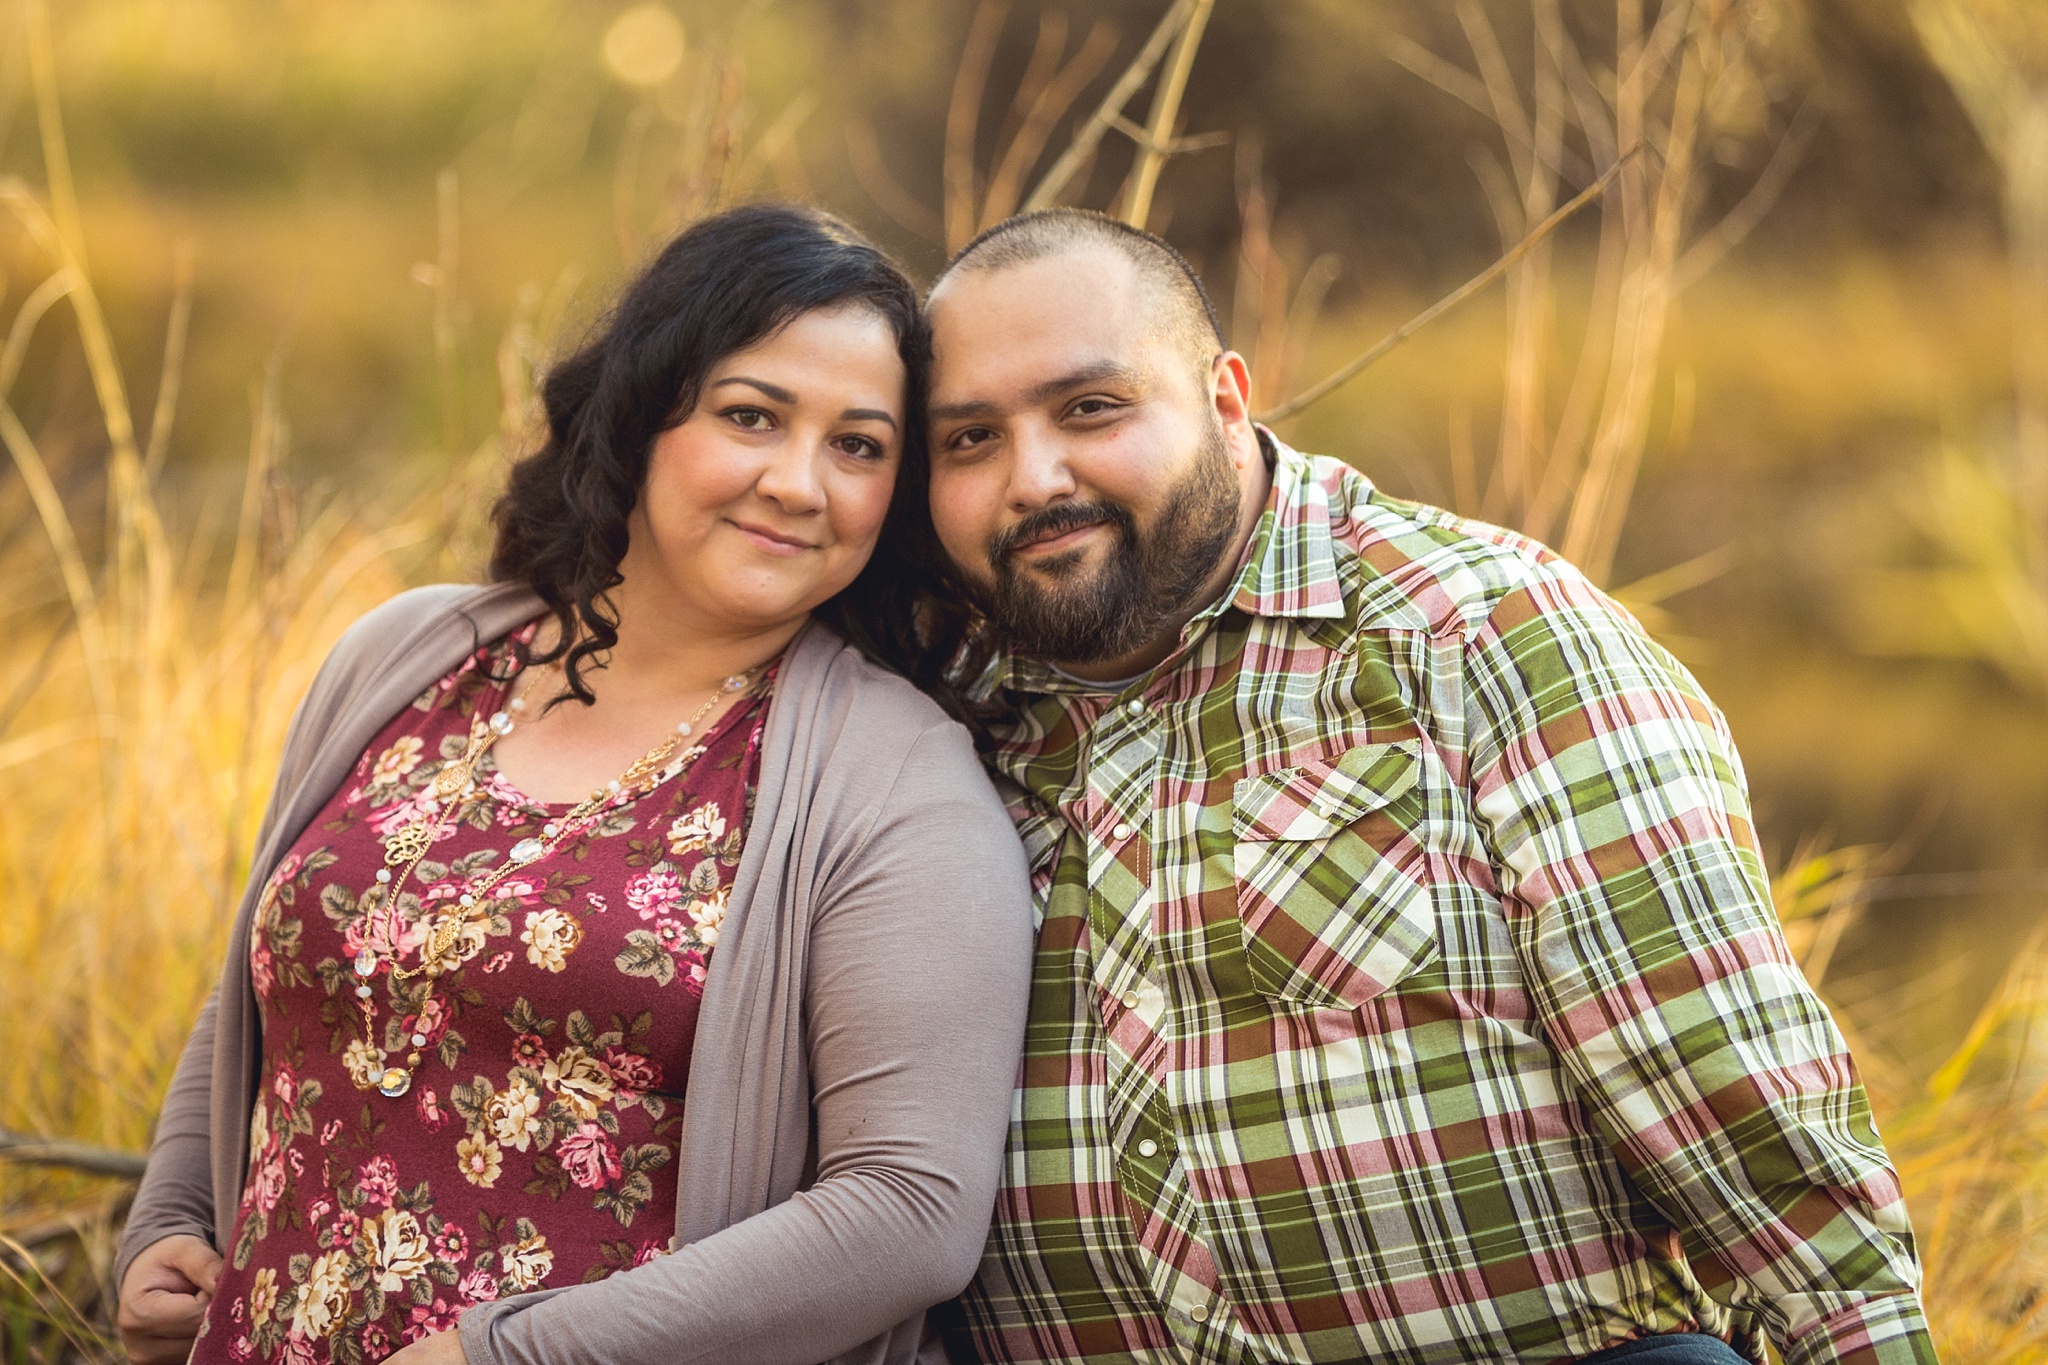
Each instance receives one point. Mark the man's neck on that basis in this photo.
(1255, 490)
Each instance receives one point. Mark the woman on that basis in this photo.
(515, 1001)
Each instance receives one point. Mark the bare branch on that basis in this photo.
(963, 117)
(864, 151)
(1451, 300)
(1048, 104)
(1165, 111)
(1707, 252)
(1082, 149)
(78, 1156)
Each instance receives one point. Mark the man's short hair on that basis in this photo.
(1184, 303)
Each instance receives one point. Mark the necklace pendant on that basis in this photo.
(395, 1081)
(735, 682)
(451, 779)
(409, 843)
(528, 850)
(366, 963)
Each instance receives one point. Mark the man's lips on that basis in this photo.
(1054, 542)
(774, 542)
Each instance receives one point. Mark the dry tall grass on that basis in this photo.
(157, 657)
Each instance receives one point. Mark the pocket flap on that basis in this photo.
(1314, 800)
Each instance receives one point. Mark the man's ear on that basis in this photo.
(1231, 392)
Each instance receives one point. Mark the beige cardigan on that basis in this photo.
(859, 1039)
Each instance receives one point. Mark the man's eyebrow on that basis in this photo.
(775, 391)
(1096, 372)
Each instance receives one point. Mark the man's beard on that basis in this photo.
(1142, 585)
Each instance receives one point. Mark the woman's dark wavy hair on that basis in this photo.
(723, 285)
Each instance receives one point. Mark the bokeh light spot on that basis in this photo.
(644, 45)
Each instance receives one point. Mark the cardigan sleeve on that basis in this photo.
(919, 974)
(176, 1195)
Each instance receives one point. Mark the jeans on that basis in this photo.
(1676, 1348)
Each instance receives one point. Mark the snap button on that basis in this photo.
(1135, 707)
(1122, 831)
(1200, 1312)
(1130, 1000)
(1148, 1148)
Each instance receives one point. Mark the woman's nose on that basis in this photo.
(791, 480)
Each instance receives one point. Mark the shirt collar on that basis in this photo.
(1289, 570)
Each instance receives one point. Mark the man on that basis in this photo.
(1408, 987)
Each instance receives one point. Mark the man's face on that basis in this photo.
(1082, 479)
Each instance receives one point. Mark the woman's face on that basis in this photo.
(768, 498)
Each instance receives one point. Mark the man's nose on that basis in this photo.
(1039, 473)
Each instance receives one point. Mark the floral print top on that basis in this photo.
(537, 1143)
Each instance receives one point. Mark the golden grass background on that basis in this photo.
(241, 406)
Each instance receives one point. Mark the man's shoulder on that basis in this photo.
(1414, 566)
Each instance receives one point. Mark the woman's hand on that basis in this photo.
(442, 1348)
(164, 1298)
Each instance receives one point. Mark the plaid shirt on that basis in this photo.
(1408, 988)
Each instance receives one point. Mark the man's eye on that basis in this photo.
(1093, 407)
(971, 437)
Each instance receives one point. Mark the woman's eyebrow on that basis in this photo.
(867, 415)
(775, 391)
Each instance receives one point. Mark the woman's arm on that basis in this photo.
(163, 1283)
(919, 974)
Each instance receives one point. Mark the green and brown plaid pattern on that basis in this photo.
(1408, 989)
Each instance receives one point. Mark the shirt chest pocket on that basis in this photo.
(1333, 894)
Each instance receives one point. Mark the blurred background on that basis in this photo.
(276, 277)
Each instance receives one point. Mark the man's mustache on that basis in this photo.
(1058, 520)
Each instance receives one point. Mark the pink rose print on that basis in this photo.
(378, 1181)
(432, 1116)
(478, 1286)
(260, 974)
(653, 891)
(427, 1319)
(633, 1074)
(530, 1049)
(589, 1157)
(597, 903)
(452, 1245)
(267, 1186)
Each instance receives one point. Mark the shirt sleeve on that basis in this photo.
(1618, 821)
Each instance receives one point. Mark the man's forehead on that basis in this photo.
(1083, 286)
(1030, 322)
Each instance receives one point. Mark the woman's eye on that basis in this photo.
(860, 447)
(749, 419)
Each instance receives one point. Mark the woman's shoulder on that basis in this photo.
(882, 702)
(476, 612)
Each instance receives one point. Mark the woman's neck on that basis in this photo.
(667, 652)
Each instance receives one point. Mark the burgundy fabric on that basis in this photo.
(536, 1147)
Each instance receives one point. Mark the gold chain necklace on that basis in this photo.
(453, 787)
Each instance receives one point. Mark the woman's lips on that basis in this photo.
(772, 542)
